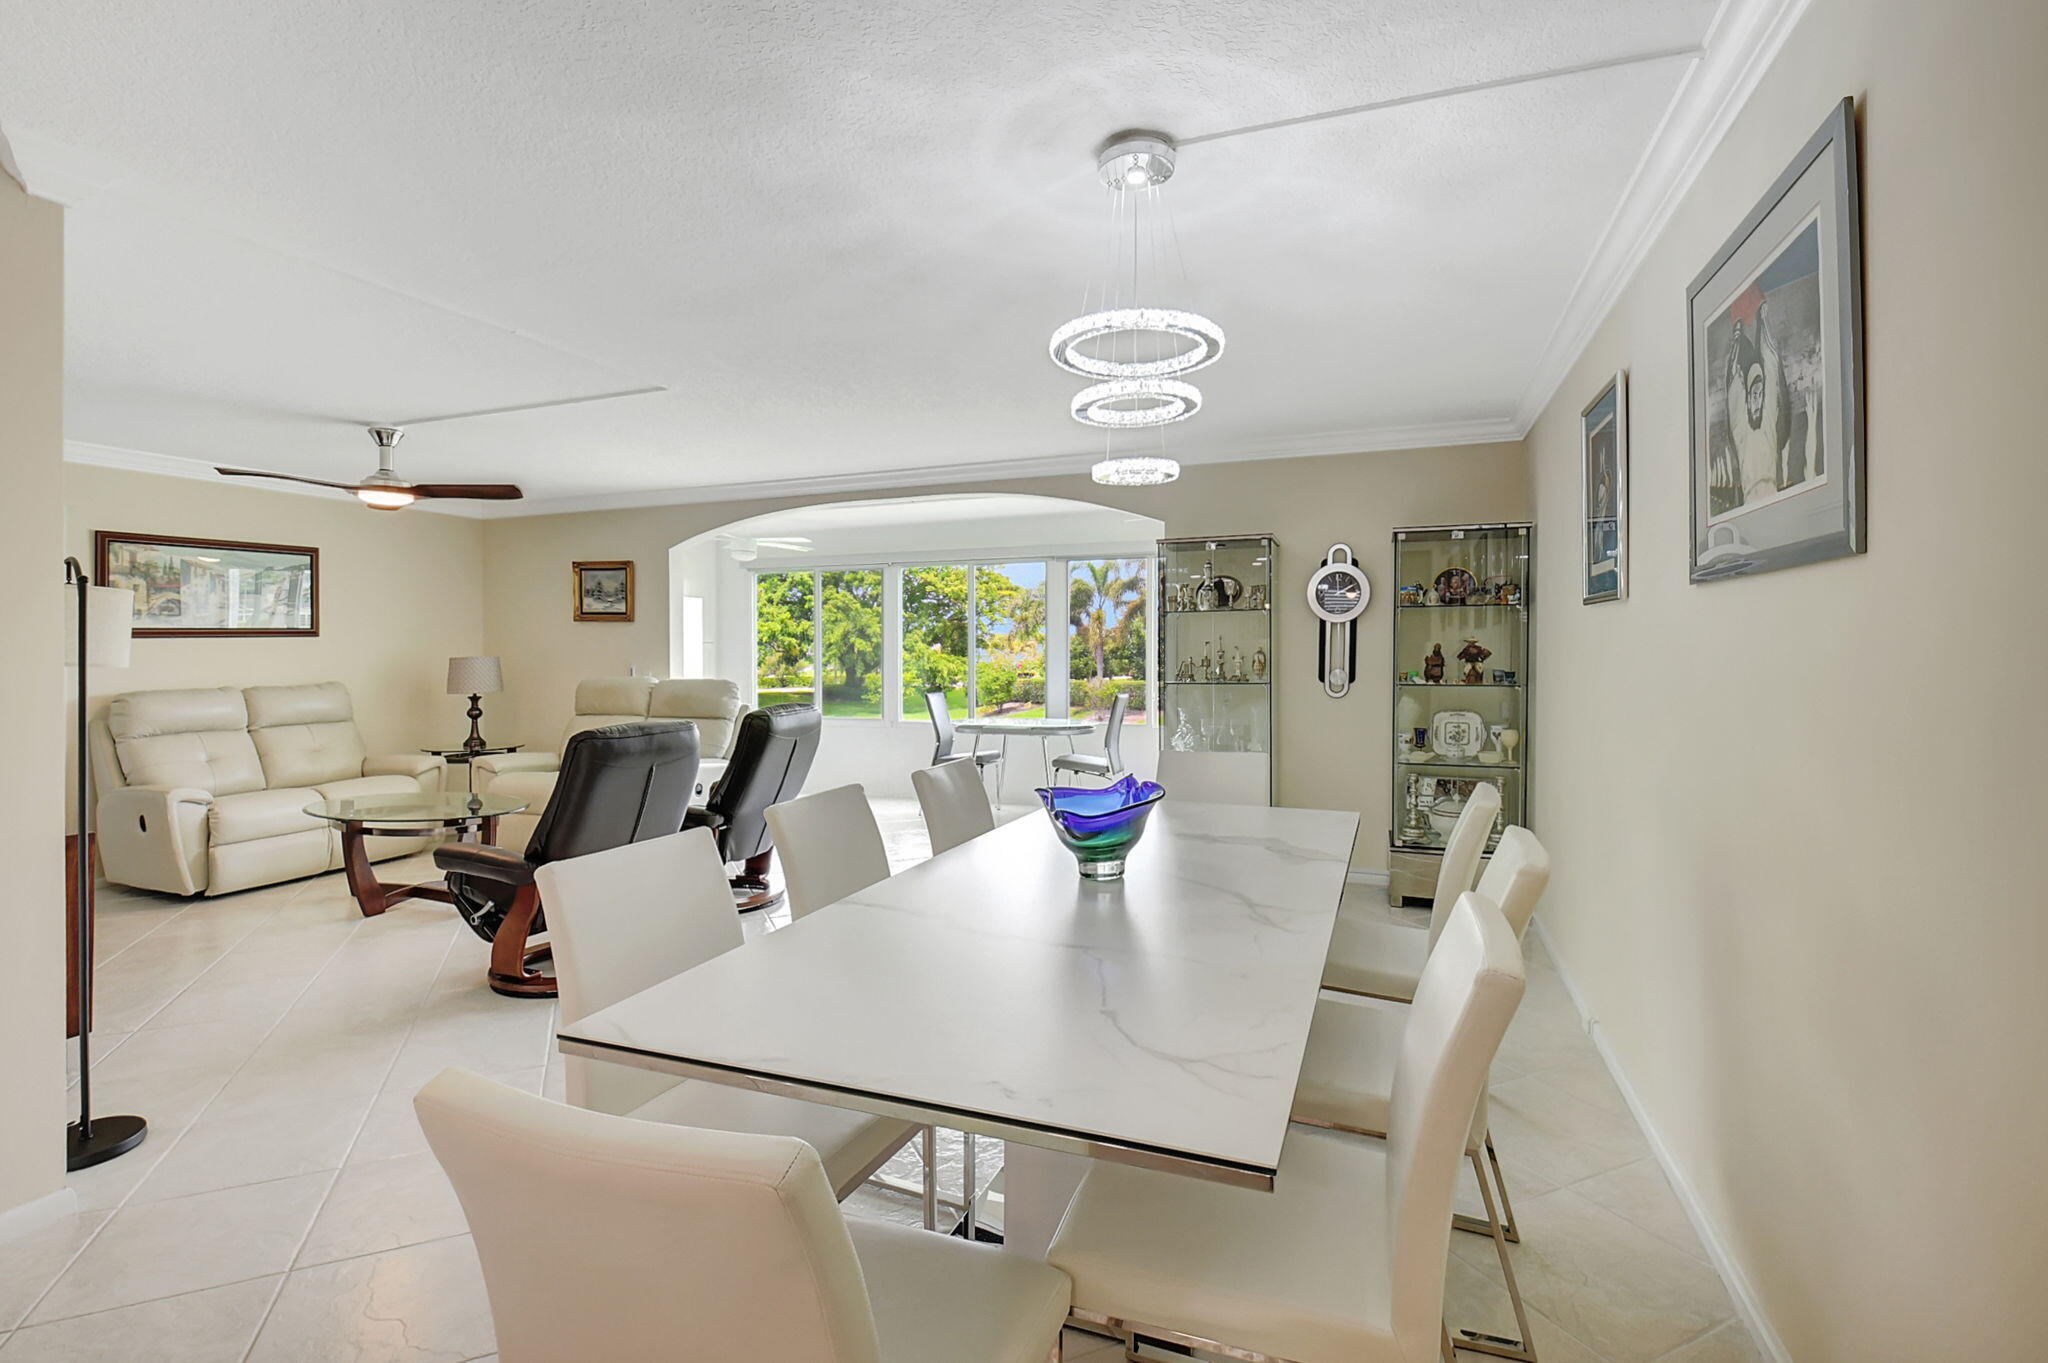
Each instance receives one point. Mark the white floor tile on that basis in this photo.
(210, 1326)
(272, 1142)
(30, 1263)
(423, 1304)
(165, 1248)
(384, 1204)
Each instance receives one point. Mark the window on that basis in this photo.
(934, 637)
(1009, 609)
(1106, 643)
(785, 625)
(850, 643)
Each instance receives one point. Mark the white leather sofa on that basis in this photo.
(713, 702)
(204, 791)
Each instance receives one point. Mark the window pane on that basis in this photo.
(853, 643)
(1009, 599)
(782, 638)
(1106, 636)
(934, 638)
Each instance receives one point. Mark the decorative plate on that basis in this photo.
(1457, 735)
(1453, 585)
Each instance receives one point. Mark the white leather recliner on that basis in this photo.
(204, 791)
(713, 702)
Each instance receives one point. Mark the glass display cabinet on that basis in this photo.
(1462, 599)
(1216, 659)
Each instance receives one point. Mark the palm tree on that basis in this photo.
(1105, 597)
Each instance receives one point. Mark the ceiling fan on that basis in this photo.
(385, 490)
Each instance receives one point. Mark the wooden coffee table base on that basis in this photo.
(374, 896)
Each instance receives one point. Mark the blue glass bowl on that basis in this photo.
(1101, 824)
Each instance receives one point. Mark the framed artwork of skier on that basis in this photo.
(1777, 373)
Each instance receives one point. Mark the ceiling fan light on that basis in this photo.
(386, 498)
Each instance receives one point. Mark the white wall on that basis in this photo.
(32, 686)
(1797, 818)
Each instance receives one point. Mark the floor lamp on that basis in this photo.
(102, 625)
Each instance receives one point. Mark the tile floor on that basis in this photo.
(285, 1206)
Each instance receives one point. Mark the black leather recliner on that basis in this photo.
(771, 756)
(620, 784)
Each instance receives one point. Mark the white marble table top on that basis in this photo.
(1158, 1021)
(1016, 725)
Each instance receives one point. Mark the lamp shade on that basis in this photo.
(475, 677)
(109, 624)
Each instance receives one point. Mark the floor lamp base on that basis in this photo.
(110, 1136)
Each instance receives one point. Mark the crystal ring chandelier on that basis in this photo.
(1203, 337)
(1153, 402)
(1136, 349)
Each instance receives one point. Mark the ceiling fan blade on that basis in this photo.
(286, 477)
(484, 492)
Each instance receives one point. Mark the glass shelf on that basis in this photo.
(1465, 606)
(1446, 764)
(1233, 610)
(1461, 686)
(1212, 682)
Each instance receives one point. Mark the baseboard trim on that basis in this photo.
(1739, 1287)
(31, 1217)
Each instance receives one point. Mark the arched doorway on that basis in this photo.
(1008, 604)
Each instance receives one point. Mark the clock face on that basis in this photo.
(1338, 592)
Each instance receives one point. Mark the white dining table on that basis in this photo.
(1159, 1020)
(1003, 728)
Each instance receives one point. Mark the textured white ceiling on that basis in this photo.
(836, 235)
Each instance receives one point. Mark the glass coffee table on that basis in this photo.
(406, 816)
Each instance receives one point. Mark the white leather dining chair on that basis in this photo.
(1373, 955)
(955, 806)
(1343, 1261)
(1110, 763)
(1347, 1074)
(606, 1238)
(830, 847)
(625, 920)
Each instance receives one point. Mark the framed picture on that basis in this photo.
(1776, 352)
(604, 591)
(208, 589)
(1603, 457)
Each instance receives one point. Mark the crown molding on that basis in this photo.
(178, 466)
(1741, 43)
(1489, 431)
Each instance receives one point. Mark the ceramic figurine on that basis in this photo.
(1255, 599)
(1433, 665)
(1473, 654)
(1259, 665)
(1430, 598)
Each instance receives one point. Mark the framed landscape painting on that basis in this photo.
(208, 589)
(1603, 461)
(1777, 373)
(604, 590)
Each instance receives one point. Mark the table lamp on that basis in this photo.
(100, 627)
(475, 678)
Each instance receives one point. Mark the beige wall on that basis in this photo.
(32, 687)
(1794, 816)
(400, 593)
(1331, 753)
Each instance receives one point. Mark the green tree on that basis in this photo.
(1105, 599)
(782, 623)
(852, 627)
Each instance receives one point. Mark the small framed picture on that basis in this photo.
(604, 590)
(213, 589)
(1603, 448)
(1777, 372)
